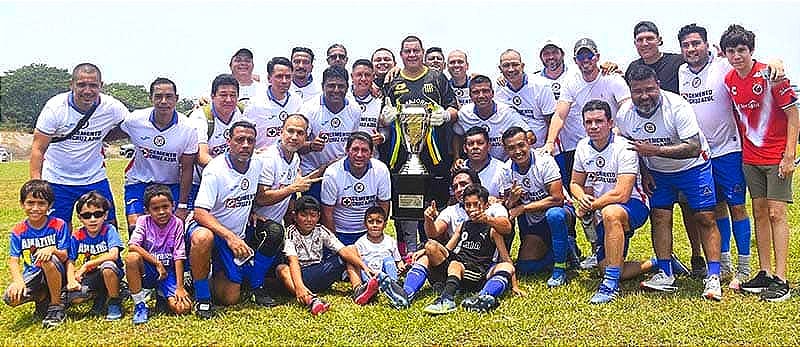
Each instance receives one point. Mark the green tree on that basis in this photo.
(185, 106)
(133, 96)
(24, 91)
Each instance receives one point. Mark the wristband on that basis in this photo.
(183, 205)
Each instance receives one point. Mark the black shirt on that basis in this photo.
(476, 245)
(666, 69)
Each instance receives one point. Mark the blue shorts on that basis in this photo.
(729, 178)
(321, 276)
(165, 287)
(134, 197)
(192, 196)
(637, 216)
(315, 190)
(66, 196)
(696, 184)
(541, 228)
(565, 161)
(349, 238)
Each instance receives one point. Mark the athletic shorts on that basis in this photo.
(697, 184)
(637, 216)
(134, 197)
(94, 279)
(36, 281)
(474, 274)
(565, 161)
(165, 287)
(763, 182)
(321, 276)
(66, 196)
(729, 178)
(349, 238)
(542, 228)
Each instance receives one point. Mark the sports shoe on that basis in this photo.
(678, 268)
(713, 289)
(661, 282)
(590, 262)
(260, 297)
(440, 306)
(480, 303)
(204, 310)
(140, 313)
(758, 284)
(604, 295)
(162, 305)
(699, 269)
(114, 309)
(54, 317)
(318, 306)
(777, 291)
(124, 291)
(559, 278)
(99, 305)
(40, 312)
(78, 296)
(394, 292)
(366, 291)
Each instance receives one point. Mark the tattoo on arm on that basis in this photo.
(688, 148)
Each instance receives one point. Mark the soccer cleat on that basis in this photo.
(713, 289)
(114, 311)
(699, 268)
(55, 316)
(260, 297)
(559, 278)
(140, 313)
(678, 268)
(758, 284)
(661, 282)
(366, 291)
(777, 291)
(440, 306)
(604, 295)
(480, 303)
(590, 262)
(394, 292)
(318, 306)
(204, 310)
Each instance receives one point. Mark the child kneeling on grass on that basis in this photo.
(94, 267)
(156, 255)
(379, 252)
(40, 244)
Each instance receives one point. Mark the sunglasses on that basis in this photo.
(337, 56)
(584, 56)
(95, 214)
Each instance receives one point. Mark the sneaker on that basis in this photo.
(366, 291)
(440, 306)
(758, 284)
(124, 291)
(590, 262)
(777, 291)
(661, 282)
(114, 309)
(260, 297)
(203, 310)
(394, 292)
(140, 313)
(318, 306)
(559, 278)
(98, 306)
(78, 296)
(713, 289)
(604, 295)
(40, 312)
(480, 303)
(54, 317)
(162, 305)
(679, 269)
(699, 269)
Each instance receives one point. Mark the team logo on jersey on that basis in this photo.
(696, 82)
(400, 88)
(516, 100)
(244, 184)
(601, 162)
(159, 141)
(359, 187)
(85, 125)
(459, 92)
(555, 87)
(323, 136)
(485, 127)
(650, 127)
(273, 131)
(526, 182)
(427, 88)
(346, 201)
(757, 89)
(282, 116)
(707, 191)
(227, 134)
(336, 122)
(363, 107)
(733, 90)
(145, 153)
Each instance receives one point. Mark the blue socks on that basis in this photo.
(665, 265)
(741, 232)
(415, 279)
(557, 221)
(724, 226)
(713, 268)
(497, 284)
(611, 277)
(201, 290)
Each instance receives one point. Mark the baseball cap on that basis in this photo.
(645, 26)
(550, 42)
(585, 43)
(242, 52)
(306, 202)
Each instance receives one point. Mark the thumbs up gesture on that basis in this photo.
(431, 212)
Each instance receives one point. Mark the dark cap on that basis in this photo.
(306, 202)
(645, 26)
(243, 52)
(585, 43)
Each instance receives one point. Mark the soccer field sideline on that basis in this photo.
(557, 316)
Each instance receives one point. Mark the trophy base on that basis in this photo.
(408, 196)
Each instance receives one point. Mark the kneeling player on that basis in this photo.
(468, 258)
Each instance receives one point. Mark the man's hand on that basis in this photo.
(549, 147)
(584, 204)
(457, 164)
(515, 212)
(431, 212)
(303, 183)
(607, 68)
(44, 254)
(73, 285)
(645, 149)
(392, 73)
(239, 248)
(439, 116)
(648, 184)
(501, 81)
(388, 113)
(318, 143)
(514, 195)
(377, 138)
(182, 300)
(182, 213)
(16, 290)
(479, 216)
(786, 166)
(376, 91)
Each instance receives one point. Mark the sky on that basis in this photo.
(191, 42)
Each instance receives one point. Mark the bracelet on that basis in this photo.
(183, 205)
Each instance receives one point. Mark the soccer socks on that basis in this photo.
(139, 297)
(741, 233)
(497, 284)
(724, 226)
(611, 277)
(665, 265)
(450, 287)
(556, 220)
(713, 268)
(202, 292)
(415, 279)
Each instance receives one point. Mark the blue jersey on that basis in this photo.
(26, 240)
(84, 247)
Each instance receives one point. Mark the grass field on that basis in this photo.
(561, 316)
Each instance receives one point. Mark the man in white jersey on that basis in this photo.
(530, 97)
(554, 71)
(303, 62)
(281, 179)
(241, 65)
(487, 114)
(663, 129)
(361, 94)
(332, 118)
(701, 81)
(166, 147)
(476, 147)
(606, 183)
(68, 141)
(351, 185)
(218, 231)
(212, 123)
(457, 66)
(268, 113)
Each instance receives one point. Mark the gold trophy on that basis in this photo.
(410, 183)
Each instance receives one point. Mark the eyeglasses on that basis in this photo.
(584, 56)
(337, 56)
(95, 214)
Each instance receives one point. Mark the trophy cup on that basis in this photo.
(411, 182)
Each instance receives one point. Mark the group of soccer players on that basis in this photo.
(531, 153)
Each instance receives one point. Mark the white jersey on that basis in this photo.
(455, 215)
(310, 91)
(709, 97)
(268, 115)
(228, 194)
(534, 101)
(255, 92)
(370, 108)
(603, 166)
(373, 254)
(218, 142)
(534, 181)
(501, 119)
(577, 91)
(277, 173)
(351, 196)
(557, 84)
(77, 160)
(673, 122)
(335, 128)
(158, 152)
(487, 175)
(461, 92)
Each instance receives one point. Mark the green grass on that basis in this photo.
(561, 316)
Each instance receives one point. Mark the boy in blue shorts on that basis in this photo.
(93, 263)
(156, 255)
(37, 254)
(379, 252)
